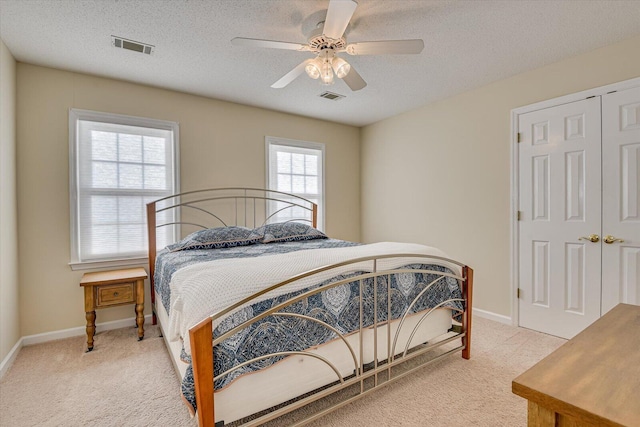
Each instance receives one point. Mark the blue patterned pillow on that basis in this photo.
(216, 238)
(288, 232)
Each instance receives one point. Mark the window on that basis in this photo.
(296, 167)
(117, 165)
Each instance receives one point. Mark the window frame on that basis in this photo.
(77, 115)
(272, 140)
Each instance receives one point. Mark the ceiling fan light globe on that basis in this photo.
(326, 74)
(343, 71)
(312, 71)
(341, 67)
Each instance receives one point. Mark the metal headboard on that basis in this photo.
(220, 207)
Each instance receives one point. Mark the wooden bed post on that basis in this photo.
(202, 362)
(315, 216)
(467, 294)
(151, 232)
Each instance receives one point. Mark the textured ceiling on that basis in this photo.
(467, 44)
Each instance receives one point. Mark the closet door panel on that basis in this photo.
(621, 198)
(559, 196)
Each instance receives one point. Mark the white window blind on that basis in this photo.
(119, 164)
(296, 167)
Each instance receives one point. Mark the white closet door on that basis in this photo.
(621, 198)
(560, 199)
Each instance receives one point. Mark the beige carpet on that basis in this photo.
(124, 382)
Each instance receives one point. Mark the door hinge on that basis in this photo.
(519, 215)
(519, 293)
(519, 137)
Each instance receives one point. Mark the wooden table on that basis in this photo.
(112, 288)
(593, 379)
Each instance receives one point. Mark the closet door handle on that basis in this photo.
(609, 239)
(592, 238)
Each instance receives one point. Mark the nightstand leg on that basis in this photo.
(140, 320)
(91, 329)
(140, 308)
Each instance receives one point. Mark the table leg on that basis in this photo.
(91, 328)
(539, 416)
(140, 308)
(90, 310)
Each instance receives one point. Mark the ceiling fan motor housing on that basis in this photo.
(319, 42)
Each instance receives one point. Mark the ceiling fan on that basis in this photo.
(326, 42)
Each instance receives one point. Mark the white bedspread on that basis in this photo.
(200, 290)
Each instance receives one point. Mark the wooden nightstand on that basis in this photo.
(110, 289)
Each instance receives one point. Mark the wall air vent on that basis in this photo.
(122, 43)
(331, 96)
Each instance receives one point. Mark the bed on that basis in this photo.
(264, 314)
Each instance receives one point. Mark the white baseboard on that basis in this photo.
(57, 335)
(500, 318)
(80, 330)
(10, 358)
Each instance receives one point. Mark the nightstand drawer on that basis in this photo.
(116, 294)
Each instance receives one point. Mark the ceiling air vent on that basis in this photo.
(122, 43)
(331, 96)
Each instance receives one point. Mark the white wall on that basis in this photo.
(440, 174)
(9, 316)
(221, 144)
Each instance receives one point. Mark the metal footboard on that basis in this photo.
(369, 375)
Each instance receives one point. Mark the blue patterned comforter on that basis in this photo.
(338, 307)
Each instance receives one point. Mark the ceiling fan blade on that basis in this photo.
(338, 16)
(353, 80)
(291, 75)
(386, 46)
(272, 44)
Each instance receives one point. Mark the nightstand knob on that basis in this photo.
(115, 294)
